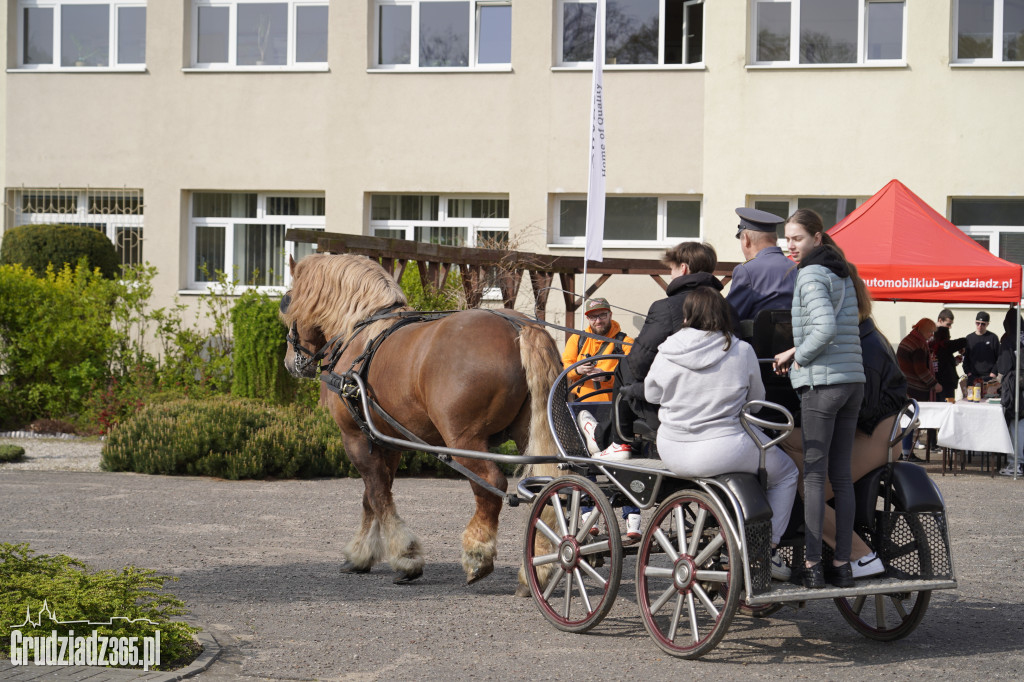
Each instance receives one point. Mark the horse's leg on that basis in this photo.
(480, 539)
(401, 547)
(365, 549)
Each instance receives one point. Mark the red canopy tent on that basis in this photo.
(906, 251)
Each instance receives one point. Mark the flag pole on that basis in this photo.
(597, 167)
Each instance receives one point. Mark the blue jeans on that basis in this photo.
(829, 423)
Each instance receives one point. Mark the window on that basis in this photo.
(75, 34)
(791, 32)
(242, 234)
(996, 224)
(259, 34)
(630, 221)
(989, 31)
(439, 219)
(637, 32)
(417, 34)
(831, 210)
(117, 213)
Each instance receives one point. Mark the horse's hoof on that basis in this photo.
(522, 590)
(479, 574)
(407, 578)
(349, 567)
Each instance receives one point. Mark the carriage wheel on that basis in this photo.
(687, 597)
(888, 617)
(573, 575)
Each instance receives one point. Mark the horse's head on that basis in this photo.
(330, 295)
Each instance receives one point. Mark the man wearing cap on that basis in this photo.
(579, 347)
(766, 280)
(981, 351)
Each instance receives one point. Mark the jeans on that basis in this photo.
(829, 423)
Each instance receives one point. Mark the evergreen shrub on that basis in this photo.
(11, 453)
(73, 592)
(259, 350)
(227, 438)
(37, 246)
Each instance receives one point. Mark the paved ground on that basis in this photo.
(257, 563)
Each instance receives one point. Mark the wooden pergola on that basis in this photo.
(435, 261)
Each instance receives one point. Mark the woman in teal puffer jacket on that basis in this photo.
(826, 369)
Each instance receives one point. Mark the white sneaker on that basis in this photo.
(867, 566)
(586, 520)
(616, 452)
(780, 571)
(587, 425)
(632, 529)
(1008, 470)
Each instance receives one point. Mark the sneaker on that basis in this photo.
(616, 452)
(780, 571)
(587, 425)
(586, 519)
(632, 529)
(867, 566)
(911, 457)
(1008, 470)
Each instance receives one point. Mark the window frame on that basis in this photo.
(305, 222)
(794, 39)
(472, 225)
(661, 240)
(232, 63)
(794, 204)
(998, 16)
(559, 27)
(113, 19)
(993, 233)
(473, 61)
(113, 222)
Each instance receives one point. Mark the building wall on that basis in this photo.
(728, 132)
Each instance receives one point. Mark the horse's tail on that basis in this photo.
(542, 363)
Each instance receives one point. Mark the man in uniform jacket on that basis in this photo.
(766, 280)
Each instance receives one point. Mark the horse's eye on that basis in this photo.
(286, 301)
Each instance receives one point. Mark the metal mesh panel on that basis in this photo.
(565, 429)
(759, 544)
(914, 544)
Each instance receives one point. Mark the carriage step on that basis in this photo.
(787, 592)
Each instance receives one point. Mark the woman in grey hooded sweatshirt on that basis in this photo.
(701, 378)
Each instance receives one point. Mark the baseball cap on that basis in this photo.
(596, 305)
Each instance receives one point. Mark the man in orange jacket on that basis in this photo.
(599, 317)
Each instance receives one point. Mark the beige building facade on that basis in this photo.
(196, 132)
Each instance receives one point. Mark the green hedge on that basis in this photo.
(227, 438)
(234, 438)
(259, 349)
(56, 341)
(11, 453)
(37, 246)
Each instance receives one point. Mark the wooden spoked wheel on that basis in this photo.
(687, 594)
(573, 574)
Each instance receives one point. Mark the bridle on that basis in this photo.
(305, 358)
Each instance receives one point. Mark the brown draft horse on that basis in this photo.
(470, 380)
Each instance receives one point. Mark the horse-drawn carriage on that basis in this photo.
(705, 550)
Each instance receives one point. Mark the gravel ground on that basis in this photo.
(258, 566)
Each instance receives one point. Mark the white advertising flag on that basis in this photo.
(595, 181)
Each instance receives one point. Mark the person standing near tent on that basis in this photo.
(766, 280)
(915, 362)
(981, 351)
(1007, 367)
(826, 368)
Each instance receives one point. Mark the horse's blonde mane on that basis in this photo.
(337, 291)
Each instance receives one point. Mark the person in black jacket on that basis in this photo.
(981, 351)
(1012, 400)
(943, 347)
(692, 265)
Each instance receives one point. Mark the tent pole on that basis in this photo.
(1017, 391)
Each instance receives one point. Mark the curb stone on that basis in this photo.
(211, 650)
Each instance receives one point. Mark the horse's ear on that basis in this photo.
(291, 264)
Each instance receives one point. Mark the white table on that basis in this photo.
(967, 425)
